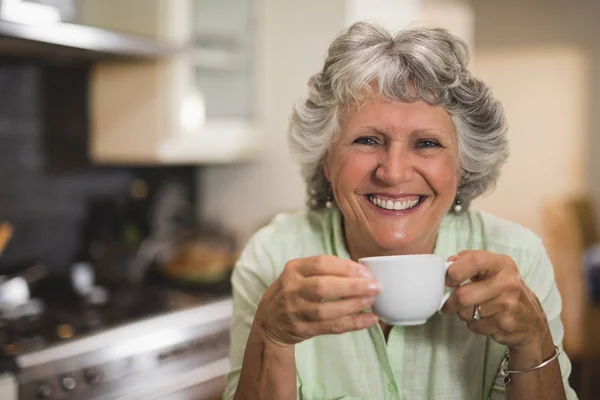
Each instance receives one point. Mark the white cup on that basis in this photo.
(412, 287)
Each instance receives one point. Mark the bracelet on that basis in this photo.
(506, 373)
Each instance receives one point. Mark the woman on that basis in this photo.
(395, 140)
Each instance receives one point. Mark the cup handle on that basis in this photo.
(448, 293)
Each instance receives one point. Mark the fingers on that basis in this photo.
(317, 288)
(500, 289)
(500, 326)
(509, 312)
(485, 327)
(329, 265)
(469, 264)
(499, 317)
(486, 310)
(472, 293)
(344, 324)
(335, 309)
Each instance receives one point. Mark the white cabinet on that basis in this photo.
(198, 106)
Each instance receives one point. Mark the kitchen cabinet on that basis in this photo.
(199, 106)
(73, 43)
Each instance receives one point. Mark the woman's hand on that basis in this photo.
(315, 296)
(510, 312)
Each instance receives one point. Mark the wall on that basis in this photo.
(46, 179)
(547, 113)
(293, 42)
(542, 59)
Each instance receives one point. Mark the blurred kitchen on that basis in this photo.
(143, 141)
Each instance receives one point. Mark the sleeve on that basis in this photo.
(255, 270)
(248, 283)
(539, 277)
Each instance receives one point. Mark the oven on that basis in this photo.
(179, 355)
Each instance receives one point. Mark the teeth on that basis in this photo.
(393, 205)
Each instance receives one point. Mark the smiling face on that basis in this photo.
(394, 174)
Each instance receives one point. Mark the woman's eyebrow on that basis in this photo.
(429, 131)
(375, 129)
(416, 131)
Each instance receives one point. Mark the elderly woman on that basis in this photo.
(395, 140)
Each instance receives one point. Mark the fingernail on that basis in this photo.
(373, 287)
(367, 301)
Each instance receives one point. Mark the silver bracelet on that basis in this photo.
(506, 373)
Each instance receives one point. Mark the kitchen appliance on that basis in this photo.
(137, 342)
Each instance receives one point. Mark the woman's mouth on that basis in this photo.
(402, 204)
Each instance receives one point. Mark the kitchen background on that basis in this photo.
(48, 183)
(169, 121)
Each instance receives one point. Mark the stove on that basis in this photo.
(130, 342)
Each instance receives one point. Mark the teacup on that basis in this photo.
(412, 287)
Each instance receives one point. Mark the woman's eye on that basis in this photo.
(427, 143)
(369, 141)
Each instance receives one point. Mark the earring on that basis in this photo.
(330, 200)
(457, 204)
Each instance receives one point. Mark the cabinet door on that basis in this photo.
(221, 35)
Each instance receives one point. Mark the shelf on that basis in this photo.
(71, 41)
(218, 142)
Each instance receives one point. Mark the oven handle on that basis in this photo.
(183, 381)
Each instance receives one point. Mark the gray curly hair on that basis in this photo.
(417, 64)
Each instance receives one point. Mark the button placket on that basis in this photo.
(395, 352)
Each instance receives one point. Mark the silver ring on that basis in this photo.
(476, 312)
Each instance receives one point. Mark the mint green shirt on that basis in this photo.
(441, 359)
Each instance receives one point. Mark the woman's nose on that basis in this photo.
(395, 166)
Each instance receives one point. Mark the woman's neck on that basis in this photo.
(360, 248)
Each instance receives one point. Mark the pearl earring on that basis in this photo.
(457, 204)
(329, 203)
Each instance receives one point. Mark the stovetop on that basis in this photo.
(57, 315)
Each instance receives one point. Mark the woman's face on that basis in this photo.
(394, 174)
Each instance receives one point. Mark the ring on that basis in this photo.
(476, 312)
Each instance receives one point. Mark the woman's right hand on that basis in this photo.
(316, 296)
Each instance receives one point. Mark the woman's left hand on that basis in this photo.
(509, 311)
